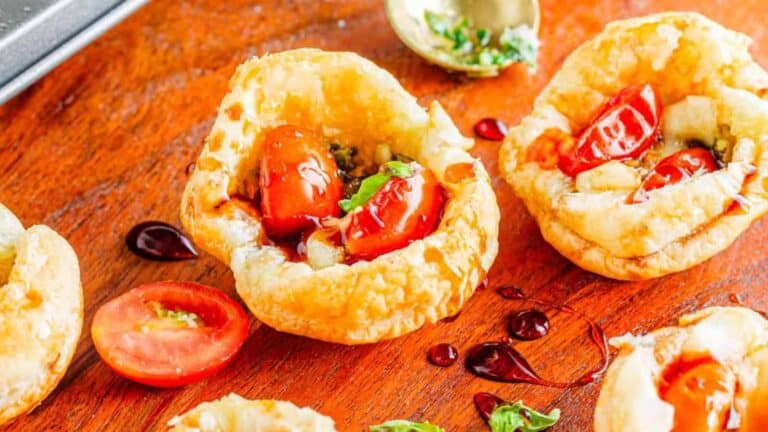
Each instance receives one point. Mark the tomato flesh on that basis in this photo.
(143, 346)
(402, 211)
(676, 168)
(702, 397)
(624, 128)
(299, 182)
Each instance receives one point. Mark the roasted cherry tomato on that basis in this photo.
(168, 334)
(675, 168)
(624, 128)
(299, 182)
(702, 398)
(402, 211)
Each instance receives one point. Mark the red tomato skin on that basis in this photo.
(402, 211)
(676, 168)
(624, 128)
(299, 182)
(121, 346)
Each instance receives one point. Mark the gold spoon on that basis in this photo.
(407, 19)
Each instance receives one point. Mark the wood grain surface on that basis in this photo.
(102, 143)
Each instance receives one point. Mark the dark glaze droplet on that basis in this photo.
(528, 325)
(491, 129)
(511, 293)
(443, 355)
(483, 284)
(452, 318)
(499, 361)
(189, 169)
(486, 403)
(159, 241)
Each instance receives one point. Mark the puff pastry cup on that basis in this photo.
(721, 352)
(707, 82)
(349, 100)
(41, 313)
(232, 413)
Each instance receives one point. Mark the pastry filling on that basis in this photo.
(635, 144)
(331, 205)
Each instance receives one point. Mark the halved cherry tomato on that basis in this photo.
(675, 168)
(168, 334)
(402, 211)
(298, 180)
(702, 397)
(624, 128)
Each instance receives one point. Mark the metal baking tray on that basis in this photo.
(37, 35)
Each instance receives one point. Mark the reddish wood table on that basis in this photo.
(102, 142)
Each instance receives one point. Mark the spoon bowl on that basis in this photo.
(407, 19)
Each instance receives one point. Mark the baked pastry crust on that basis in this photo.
(232, 413)
(349, 100)
(629, 399)
(41, 313)
(681, 225)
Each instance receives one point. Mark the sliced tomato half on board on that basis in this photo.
(167, 334)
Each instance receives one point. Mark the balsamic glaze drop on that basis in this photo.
(443, 355)
(511, 293)
(452, 318)
(500, 361)
(486, 403)
(528, 325)
(491, 129)
(160, 242)
(483, 284)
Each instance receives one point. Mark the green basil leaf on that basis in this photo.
(374, 183)
(517, 417)
(398, 169)
(406, 426)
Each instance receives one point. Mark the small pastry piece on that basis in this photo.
(41, 313)
(646, 154)
(233, 413)
(346, 211)
(705, 375)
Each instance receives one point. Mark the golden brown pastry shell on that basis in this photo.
(349, 100)
(232, 413)
(680, 54)
(41, 313)
(629, 399)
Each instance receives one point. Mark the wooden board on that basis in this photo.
(103, 141)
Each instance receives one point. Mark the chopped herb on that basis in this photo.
(351, 186)
(406, 426)
(189, 319)
(344, 156)
(517, 417)
(518, 44)
(372, 184)
(483, 37)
